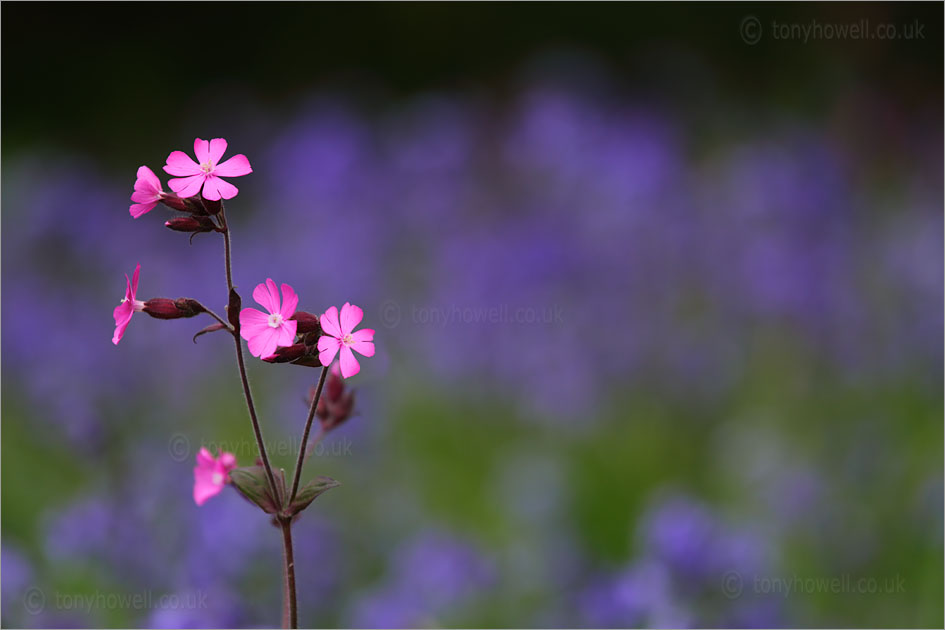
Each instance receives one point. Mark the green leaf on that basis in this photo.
(309, 492)
(252, 483)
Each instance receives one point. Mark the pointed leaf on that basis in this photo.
(252, 483)
(209, 329)
(310, 491)
(233, 309)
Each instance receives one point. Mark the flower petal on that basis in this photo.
(349, 365)
(327, 349)
(264, 298)
(211, 188)
(362, 341)
(287, 332)
(273, 294)
(329, 322)
(227, 461)
(139, 209)
(147, 181)
(264, 344)
(251, 320)
(119, 332)
(351, 316)
(204, 486)
(289, 301)
(181, 164)
(225, 188)
(217, 149)
(145, 196)
(204, 458)
(236, 166)
(134, 282)
(188, 186)
(202, 150)
(122, 315)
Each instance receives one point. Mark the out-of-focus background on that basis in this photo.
(657, 292)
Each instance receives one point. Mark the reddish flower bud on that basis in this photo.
(174, 202)
(212, 207)
(190, 205)
(307, 323)
(164, 308)
(192, 224)
(287, 354)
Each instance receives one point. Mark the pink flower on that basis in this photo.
(266, 332)
(210, 474)
(128, 306)
(340, 336)
(208, 172)
(147, 194)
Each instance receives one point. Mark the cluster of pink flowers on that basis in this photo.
(279, 332)
(192, 178)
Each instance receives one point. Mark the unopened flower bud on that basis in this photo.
(164, 308)
(192, 224)
(190, 205)
(287, 354)
(212, 206)
(174, 202)
(307, 323)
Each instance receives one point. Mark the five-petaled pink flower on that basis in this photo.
(147, 194)
(266, 332)
(340, 335)
(210, 474)
(208, 172)
(128, 306)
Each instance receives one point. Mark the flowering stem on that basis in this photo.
(252, 416)
(318, 438)
(290, 620)
(308, 427)
(260, 444)
(226, 248)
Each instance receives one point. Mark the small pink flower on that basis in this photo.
(266, 332)
(341, 336)
(210, 474)
(208, 172)
(128, 306)
(147, 194)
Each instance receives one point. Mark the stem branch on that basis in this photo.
(215, 316)
(260, 444)
(252, 416)
(226, 249)
(308, 427)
